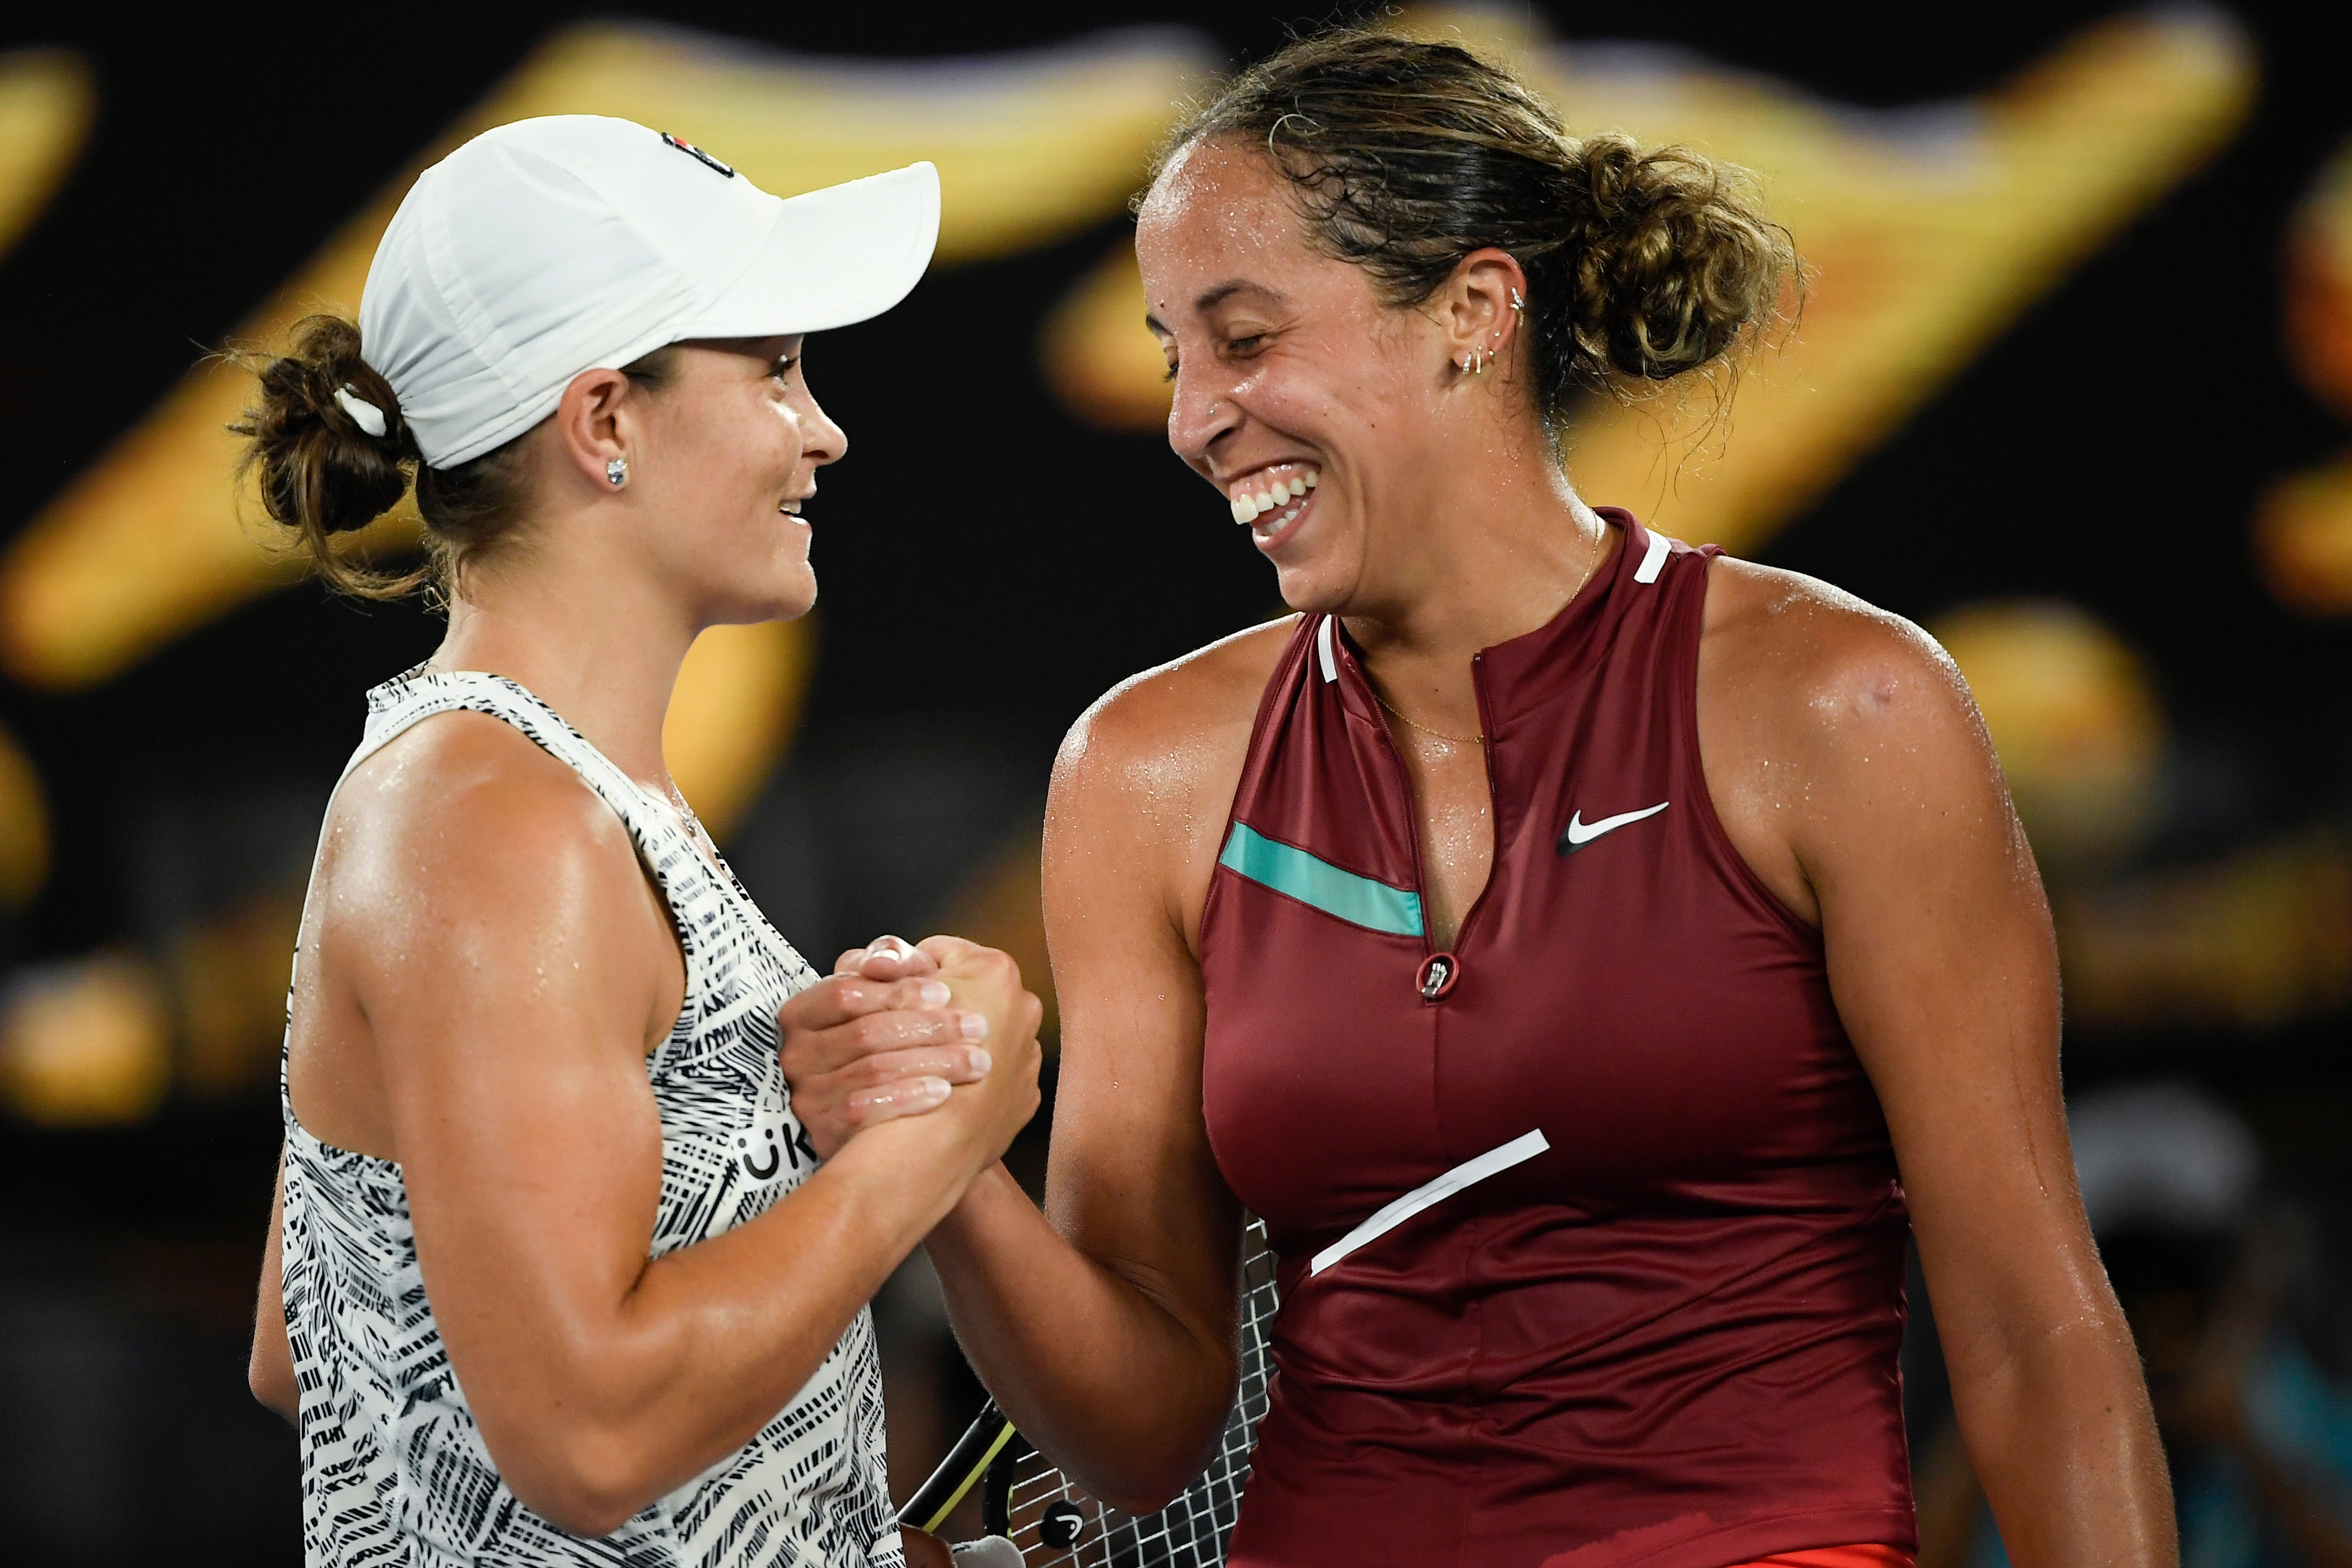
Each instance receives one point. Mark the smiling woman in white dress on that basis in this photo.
(557, 1275)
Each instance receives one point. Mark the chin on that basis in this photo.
(785, 596)
(1313, 587)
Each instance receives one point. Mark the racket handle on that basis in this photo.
(996, 1489)
(988, 1436)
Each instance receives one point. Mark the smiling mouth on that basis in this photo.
(1271, 499)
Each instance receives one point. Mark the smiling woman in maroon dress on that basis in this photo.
(1685, 888)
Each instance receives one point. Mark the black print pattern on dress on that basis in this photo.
(394, 1473)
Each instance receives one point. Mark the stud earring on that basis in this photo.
(618, 471)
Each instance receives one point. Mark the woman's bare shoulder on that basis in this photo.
(463, 812)
(1817, 661)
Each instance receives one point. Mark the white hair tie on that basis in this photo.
(365, 414)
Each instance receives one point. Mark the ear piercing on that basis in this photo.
(618, 471)
(1475, 362)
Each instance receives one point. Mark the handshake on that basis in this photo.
(900, 1032)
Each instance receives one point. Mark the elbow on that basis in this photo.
(1152, 1470)
(1144, 1488)
(271, 1378)
(585, 1483)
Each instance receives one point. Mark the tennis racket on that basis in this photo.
(1053, 1520)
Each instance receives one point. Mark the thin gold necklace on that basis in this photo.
(1591, 562)
(1456, 740)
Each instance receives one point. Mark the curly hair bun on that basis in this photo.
(1669, 258)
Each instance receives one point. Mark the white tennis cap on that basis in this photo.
(571, 243)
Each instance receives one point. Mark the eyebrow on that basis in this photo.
(1209, 298)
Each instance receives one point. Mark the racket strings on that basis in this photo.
(1191, 1531)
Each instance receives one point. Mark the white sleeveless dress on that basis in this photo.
(394, 1469)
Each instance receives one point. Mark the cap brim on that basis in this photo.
(836, 256)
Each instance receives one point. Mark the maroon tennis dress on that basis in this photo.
(1667, 1340)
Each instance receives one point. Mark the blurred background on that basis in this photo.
(2072, 387)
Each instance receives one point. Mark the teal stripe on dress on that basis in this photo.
(1359, 900)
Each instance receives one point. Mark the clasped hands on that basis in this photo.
(896, 1031)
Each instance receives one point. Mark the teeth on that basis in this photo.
(1248, 506)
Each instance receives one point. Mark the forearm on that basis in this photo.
(2064, 1440)
(713, 1340)
(1091, 1365)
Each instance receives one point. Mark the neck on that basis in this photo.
(598, 642)
(1493, 555)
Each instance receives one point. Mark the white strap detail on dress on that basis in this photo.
(1323, 648)
(1526, 1147)
(1653, 559)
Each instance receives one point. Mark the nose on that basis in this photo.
(822, 441)
(1201, 415)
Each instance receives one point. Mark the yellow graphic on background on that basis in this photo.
(46, 106)
(2303, 527)
(736, 702)
(1925, 234)
(87, 1043)
(24, 827)
(2075, 719)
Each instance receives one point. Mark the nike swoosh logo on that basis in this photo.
(1582, 833)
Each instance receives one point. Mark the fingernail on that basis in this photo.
(936, 993)
(979, 1060)
(931, 1089)
(974, 1026)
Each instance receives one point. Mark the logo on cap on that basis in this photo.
(697, 154)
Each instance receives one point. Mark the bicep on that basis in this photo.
(1944, 968)
(1133, 1183)
(508, 1015)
